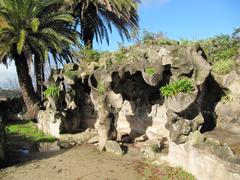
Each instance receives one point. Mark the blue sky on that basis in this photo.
(192, 19)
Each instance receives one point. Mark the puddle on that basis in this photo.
(27, 151)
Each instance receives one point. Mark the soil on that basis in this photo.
(82, 162)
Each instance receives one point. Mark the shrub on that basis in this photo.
(165, 41)
(120, 55)
(220, 47)
(223, 66)
(186, 42)
(88, 54)
(52, 91)
(150, 71)
(157, 39)
(148, 36)
(182, 85)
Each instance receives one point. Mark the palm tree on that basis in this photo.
(33, 28)
(96, 17)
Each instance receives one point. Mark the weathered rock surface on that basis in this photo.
(197, 161)
(78, 138)
(150, 149)
(181, 101)
(113, 147)
(49, 121)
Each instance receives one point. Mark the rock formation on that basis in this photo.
(121, 99)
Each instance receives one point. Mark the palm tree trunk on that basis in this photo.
(89, 26)
(88, 36)
(39, 76)
(30, 97)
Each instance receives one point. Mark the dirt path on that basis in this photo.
(83, 162)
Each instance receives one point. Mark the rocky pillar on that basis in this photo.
(103, 121)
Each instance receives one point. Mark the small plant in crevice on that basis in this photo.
(70, 74)
(227, 98)
(223, 66)
(150, 71)
(182, 85)
(101, 88)
(52, 91)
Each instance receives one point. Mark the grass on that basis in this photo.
(29, 131)
(153, 172)
(177, 173)
(182, 85)
(223, 66)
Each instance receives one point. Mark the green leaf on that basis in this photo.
(21, 41)
(35, 24)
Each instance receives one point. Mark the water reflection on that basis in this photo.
(46, 146)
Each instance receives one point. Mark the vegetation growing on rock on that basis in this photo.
(52, 91)
(223, 66)
(150, 71)
(182, 85)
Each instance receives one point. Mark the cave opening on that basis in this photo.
(211, 94)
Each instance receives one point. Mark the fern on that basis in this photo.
(182, 85)
(52, 91)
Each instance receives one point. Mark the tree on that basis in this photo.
(236, 34)
(96, 18)
(33, 28)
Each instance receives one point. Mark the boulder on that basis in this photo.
(181, 101)
(50, 122)
(226, 80)
(196, 138)
(113, 147)
(159, 120)
(77, 138)
(150, 149)
(228, 114)
(180, 127)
